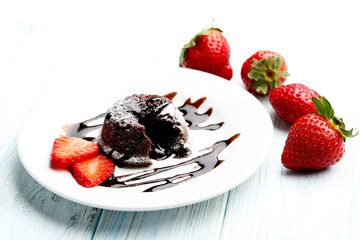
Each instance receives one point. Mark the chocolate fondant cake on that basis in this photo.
(141, 127)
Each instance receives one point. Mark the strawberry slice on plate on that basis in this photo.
(69, 150)
(93, 171)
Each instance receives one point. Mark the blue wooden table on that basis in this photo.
(58, 48)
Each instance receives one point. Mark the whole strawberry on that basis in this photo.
(293, 101)
(208, 51)
(316, 141)
(264, 71)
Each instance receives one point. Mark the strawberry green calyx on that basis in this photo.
(192, 43)
(266, 73)
(325, 109)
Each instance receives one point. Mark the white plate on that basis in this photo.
(241, 112)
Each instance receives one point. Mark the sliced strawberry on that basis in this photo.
(93, 171)
(68, 150)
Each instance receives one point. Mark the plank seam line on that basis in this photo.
(97, 223)
(226, 206)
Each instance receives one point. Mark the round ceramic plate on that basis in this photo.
(240, 111)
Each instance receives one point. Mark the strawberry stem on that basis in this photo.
(325, 109)
(265, 73)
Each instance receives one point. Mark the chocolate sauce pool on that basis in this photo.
(206, 162)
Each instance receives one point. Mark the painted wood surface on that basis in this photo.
(62, 48)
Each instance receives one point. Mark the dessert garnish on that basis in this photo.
(139, 130)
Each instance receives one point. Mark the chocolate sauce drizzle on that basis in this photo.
(81, 129)
(193, 118)
(189, 109)
(206, 162)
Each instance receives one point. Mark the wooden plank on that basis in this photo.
(198, 221)
(28, 209)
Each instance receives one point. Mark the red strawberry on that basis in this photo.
(68, 150)
(316, 141)
(264, 71)
(208, 51)
(293, 101)
(93, 171)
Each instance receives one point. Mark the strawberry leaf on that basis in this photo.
(266, 69)
(319, 106)
(256, 63)
(255, 74)
(342, 124)
(255, 84)
(260, 86)
(283, 74)
(325, 109)
(329, 111)
(349, 133)
(267, 62)
(277, 83)
(277, 62)
(339, 121)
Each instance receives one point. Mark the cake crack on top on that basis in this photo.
(142, 127)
